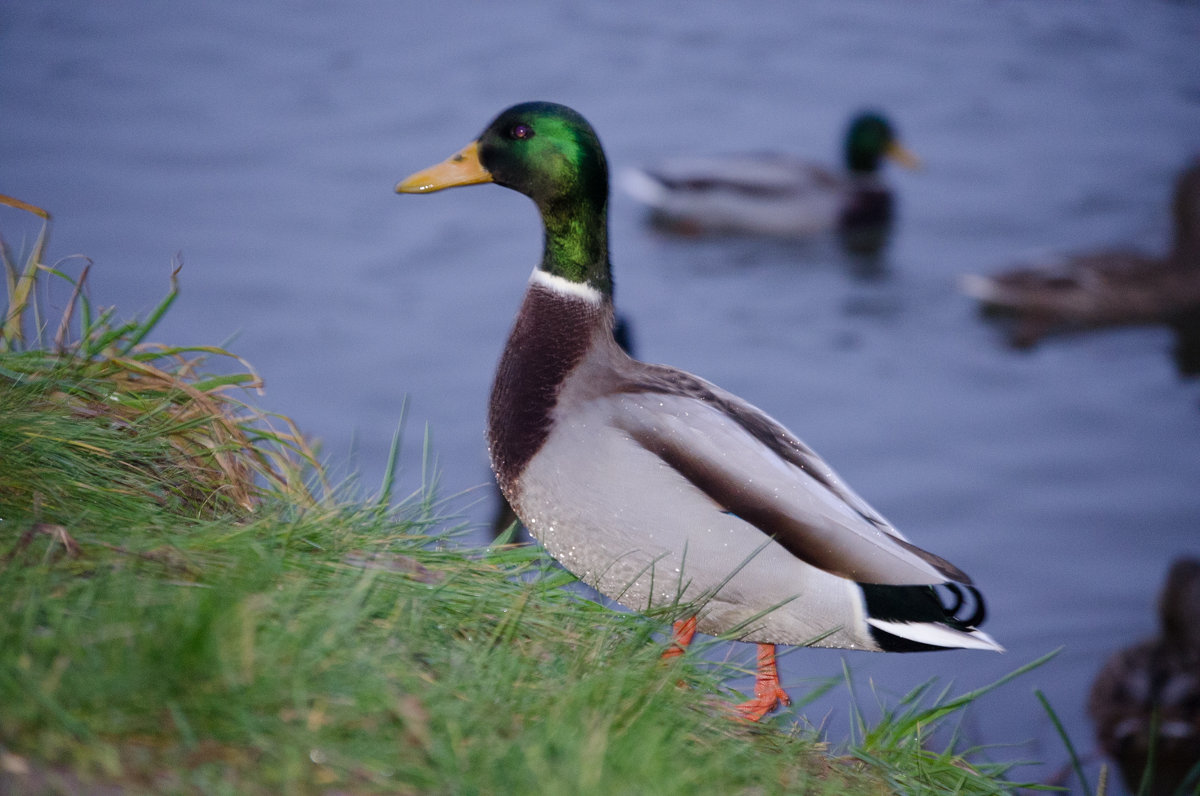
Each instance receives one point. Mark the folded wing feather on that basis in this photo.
(750, 466)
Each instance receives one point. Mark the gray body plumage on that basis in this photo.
(654, 486)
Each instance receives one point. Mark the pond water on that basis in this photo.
(261, 141)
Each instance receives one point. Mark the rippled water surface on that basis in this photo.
(262, 140)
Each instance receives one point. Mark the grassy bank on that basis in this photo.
(190, 609)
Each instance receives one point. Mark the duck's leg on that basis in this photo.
(768, 693)
(685, 630)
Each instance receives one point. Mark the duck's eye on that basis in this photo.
(521, 132)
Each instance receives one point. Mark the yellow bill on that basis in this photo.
(462, 168)
(898, 153)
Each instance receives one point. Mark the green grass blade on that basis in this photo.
(139, 332)
(1066, 739)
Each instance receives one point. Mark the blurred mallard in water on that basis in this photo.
(776, 194)
(1103, 288)
(1149, 695)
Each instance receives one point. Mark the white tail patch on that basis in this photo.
(937, 635)
(641, 186)
(566, 287)
(978, 287)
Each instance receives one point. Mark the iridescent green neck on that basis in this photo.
(576, 243)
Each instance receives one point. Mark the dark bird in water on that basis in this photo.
(1146, 700)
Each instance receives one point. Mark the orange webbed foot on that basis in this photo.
(768, 692)
(685, 631)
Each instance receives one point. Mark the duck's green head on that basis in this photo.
(869, 139)
(552, 155)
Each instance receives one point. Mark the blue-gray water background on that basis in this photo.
(262, 141)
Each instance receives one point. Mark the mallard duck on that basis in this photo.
(658, 488)
(1103, 288)
(1148, 696)
(775, 194)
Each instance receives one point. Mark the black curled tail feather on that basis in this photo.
(954, 605)
(962, 601)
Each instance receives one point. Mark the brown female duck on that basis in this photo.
(1146, 700)
(1103, 288)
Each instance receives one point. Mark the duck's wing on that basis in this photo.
(750, 466)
